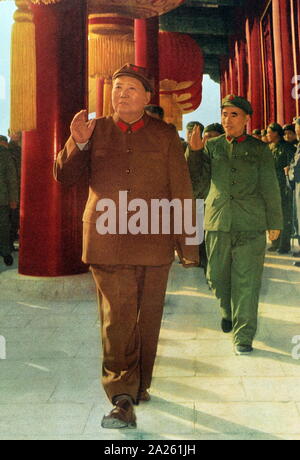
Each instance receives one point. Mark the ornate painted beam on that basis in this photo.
(196, 21)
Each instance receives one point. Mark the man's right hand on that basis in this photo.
(82, 128)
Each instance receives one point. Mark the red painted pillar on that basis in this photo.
(286, 106)
(255, 85)
(240, 52)
(224, 76)
(147, 49)
(51, 228)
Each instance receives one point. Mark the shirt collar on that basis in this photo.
(133, 127)
(239, 139)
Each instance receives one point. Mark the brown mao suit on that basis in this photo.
(146, 160)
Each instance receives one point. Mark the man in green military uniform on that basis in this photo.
(283, 153)
(9, 196)
(290, 134)
(243, 202)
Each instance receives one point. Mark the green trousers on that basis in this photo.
(284, 241)
(5, 231)
(235, 267)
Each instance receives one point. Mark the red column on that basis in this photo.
(224, 76)
(295, 12)
(147, 50)
(51, 228)
(241, 67)
(286, 106)
(255, 85)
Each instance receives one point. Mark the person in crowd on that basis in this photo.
(243, 202)
(15, 152)
(264, 136)
(190, 127)
(9, 196)
(257, 134)
(137, 154)
(211, 131)
(155, 111)
(290, 134)
(198, 195)
(294, 176)
(283, 153)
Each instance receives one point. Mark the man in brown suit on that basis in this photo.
(141, 157)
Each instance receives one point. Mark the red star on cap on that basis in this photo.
(231, 97)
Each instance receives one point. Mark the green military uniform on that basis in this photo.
(294, 177)
(242, 203)
(283, 153)
(8, 194)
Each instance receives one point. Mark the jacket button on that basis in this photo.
(231, 197)
(233, 170)
(128, 171)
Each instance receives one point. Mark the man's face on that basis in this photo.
(210, 135)
(272, 136)
(234, 121)
(289, 136)
(129, 97)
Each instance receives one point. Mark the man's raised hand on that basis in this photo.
(82, 128)
(196, 142)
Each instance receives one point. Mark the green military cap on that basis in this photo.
(236, 101)
(191, 125)
(277, 128)
(140, 73)
(3, 139)
(214, 127)
(289, 128)
(257, 132)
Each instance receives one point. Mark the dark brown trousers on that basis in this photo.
(131, 301)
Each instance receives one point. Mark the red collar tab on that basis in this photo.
(237, 139)
(125, 127)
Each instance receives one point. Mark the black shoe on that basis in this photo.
(282, 251)
(226, 326)
(8, 260)
(243, 350)
(296, 254)
(271, 249)
(296, 264)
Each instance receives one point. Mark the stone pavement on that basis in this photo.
(49, 382)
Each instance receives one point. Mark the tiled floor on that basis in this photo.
(49, 381)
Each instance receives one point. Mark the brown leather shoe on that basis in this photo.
(122, 416)
(144, 396)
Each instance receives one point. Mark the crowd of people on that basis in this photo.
(284, 143)
(10, 181)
